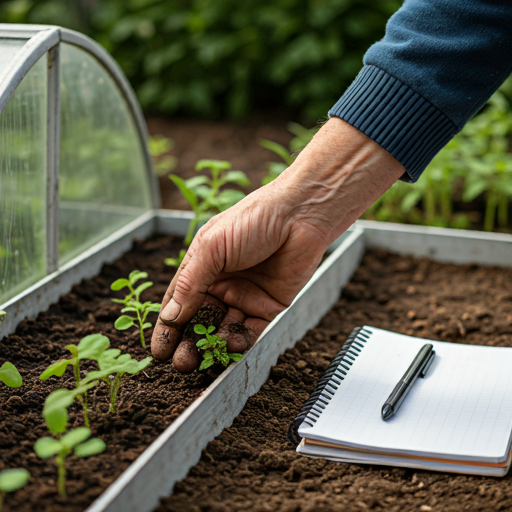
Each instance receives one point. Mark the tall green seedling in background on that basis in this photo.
(159, 147)
(90, 347)
(205, 196)
(113, 366)
(139, 311)
(213, 348)
(302, 137)
(3, 314)
(10, 375)
(11, 480)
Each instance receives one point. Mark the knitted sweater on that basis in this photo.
(437, 65)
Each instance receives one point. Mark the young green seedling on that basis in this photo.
(90, 347)
(205, 197)
(2, 316)
(11, 480)
(159, 146)
(75, 441)
(214, 348)
(113, 366)
(133, 305)
(10, 375)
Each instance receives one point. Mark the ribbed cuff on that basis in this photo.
(404, 123)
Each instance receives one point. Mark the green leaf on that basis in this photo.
(124, 322)
(238, 177)
(187, 193)
(142, 287)
(73, 349)
(278, 150)
(132, 367)
(135, 275)
(196, 181)
(58, 368)
(235, 357)
(227, 198)
(202, 343)
(147, 325)
(473, 190)
(129, 309)
(199, 329)
(218, 165)
(224, 359)
(216, 353)
(91, 447)
(13, 479)
(118, 301)
(92, 346)
(46, 447)
(76, 436)
(10, 375)
(119, 284)
(154, 307)
(208, 356)
(205, 364)
(211, 328)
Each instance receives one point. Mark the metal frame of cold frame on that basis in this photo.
(45, 40)
(178, 448)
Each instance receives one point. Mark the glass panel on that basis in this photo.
(23, 185)
(103, 181)
(8, 49)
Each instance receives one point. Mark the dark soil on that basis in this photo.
(252, 467)
(148, 402)
(237, 142)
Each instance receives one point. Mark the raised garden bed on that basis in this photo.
(167, 460)
(252, 467)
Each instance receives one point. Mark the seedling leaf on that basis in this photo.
(147, 325)
(75, 437)
(142, 287)
(187, 193)
(237, 177)
(278, 150)
(46, 447)
(91, 347)
(58, 368)
(119, 284)
(136, 275)
(199, 329)
(235, 357)
(205, 364)
(124, 322)
(219, 165)
(90, 447)
(10, 375)
(13, 479)
(210, 329)
(196, 181)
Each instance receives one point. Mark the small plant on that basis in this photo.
(3, 314)
(77, 442)
(113, 366)
(159, 145)
(205, 197)
(90, 347)
(302, 138)
(10, 375)
(214, 348)
(11, 480)
(133, 305)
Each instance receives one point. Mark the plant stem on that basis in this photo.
(191, 230)
(490, 210)
(503, 211)
(83, 396)
(76, 371)
(62, 475)
(114, 388)
(143, 341)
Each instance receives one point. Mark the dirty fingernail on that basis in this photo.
(171, 311)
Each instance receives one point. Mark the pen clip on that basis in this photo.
(428, 364)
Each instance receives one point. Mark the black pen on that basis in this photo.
(419, 368)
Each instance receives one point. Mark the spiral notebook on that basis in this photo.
(458, 418)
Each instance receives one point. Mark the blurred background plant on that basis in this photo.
(224, 58)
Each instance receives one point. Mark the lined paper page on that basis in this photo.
(462, 408)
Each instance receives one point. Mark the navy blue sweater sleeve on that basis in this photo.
(437, 65)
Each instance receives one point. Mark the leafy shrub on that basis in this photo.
(225, 57)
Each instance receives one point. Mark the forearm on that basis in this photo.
(336, 178)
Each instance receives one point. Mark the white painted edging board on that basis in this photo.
(176, 450)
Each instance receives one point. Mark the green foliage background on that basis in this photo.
(225, 58)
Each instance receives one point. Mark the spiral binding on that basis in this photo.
(328, 384)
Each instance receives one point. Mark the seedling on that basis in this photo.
(2, 316)
(159, 145)
(90, 347)
(140, 311)
(213, 347)
(75, 441)
(113, 366)
(10, 375)
(11, 480)
(205, 197)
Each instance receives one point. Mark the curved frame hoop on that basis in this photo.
(40, 40)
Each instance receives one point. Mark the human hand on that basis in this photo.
(256, 256)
